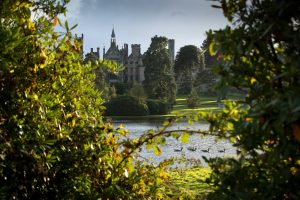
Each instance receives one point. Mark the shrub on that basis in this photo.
(121, 88)
(158, 107)
(193, 99)
(138, 91)
(260, 55)
(126, 106)
(54, 143)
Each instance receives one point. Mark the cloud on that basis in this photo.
(136, 21)
(178, 13)
(74, 8)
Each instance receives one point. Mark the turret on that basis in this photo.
(113, 38)
(171, 50)
(103, 52)
(136, 50)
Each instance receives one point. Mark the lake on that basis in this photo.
(198, 143)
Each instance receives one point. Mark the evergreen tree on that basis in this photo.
(159, 81)
(186, 66)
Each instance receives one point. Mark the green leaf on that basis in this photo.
(67, 26)
(185, 138)
(73, 27)
(232, 139)
(212, 51)
(149, 145)
(157, 150)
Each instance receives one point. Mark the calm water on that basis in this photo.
(137, 128)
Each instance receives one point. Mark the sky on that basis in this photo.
(137, 21)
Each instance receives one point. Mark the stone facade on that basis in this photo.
(80, 41)
(93, 54)
(134, 68)
(171, 50)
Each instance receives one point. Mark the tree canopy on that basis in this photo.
(187, 63)
(159, 82)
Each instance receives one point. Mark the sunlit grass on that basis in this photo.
(206, 104)
(188, 183)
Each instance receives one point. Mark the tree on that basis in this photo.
(102, 68)
(138, 91)
(209, 60)
(100, 72)
(260, 52)
(206, 79)
(186, 66)
(193, 99)
(159, 82)
(54, 142)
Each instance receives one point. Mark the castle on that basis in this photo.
(134, 68)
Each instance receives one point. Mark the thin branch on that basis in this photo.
(160, 133)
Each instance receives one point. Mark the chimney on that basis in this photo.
(98, 52)
(103, 52)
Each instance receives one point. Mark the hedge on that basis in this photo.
(126, 106)
(158, 107)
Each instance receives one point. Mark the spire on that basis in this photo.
(113, 33)
(113, 38)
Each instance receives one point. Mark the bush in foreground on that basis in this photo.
(54, 143)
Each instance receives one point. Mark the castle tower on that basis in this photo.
(103, 52)
(80, 40)
(171, 50)
(125, 53)
(136, 50)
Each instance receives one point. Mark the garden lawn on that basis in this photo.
(188, 183)
(205, 104)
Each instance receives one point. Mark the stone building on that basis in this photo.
(133, 63)
(116, 54)
(171, 50)
(134, 69)
(93, 55)
(80, 41)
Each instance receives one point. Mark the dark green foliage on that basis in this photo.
(206, 81)
(206, 78)
(260, 54)
(159, 82)
(186, 66)
(137, 90)
(209, 60)
(126, 106)
(54, 143)
(122, 88)
(158, 107)
(193, 99)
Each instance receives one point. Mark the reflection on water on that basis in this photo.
(197, 146)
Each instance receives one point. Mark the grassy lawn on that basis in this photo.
(188, 183)
(180, 108)
(206, 104)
